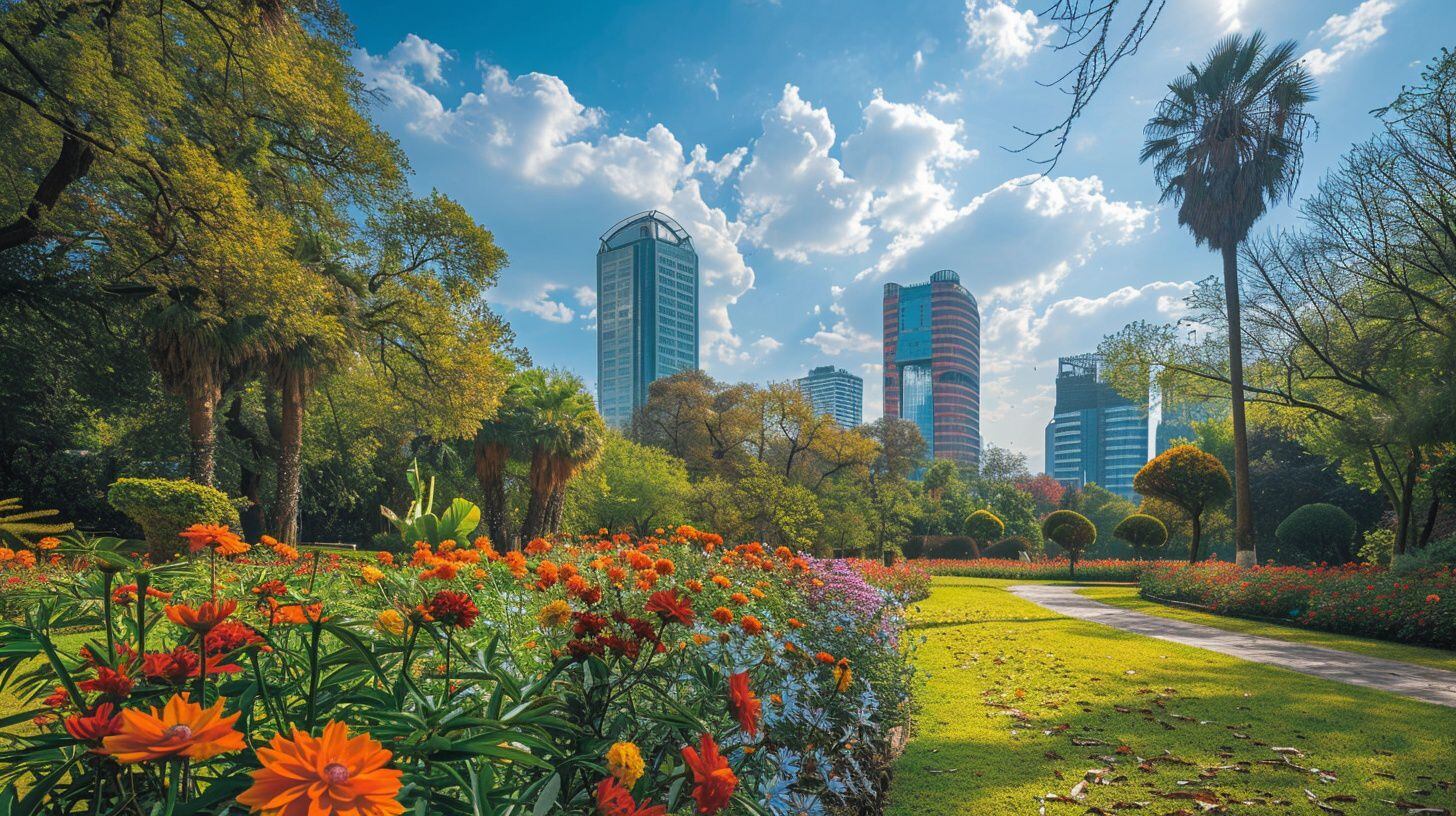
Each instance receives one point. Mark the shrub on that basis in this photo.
(1317, 532)
(1189, 478)
(165, 507)
(1009, 547)
(1058, 569)
(984, 526)
(1072, 532)
(1357, 599)
(1145, 534)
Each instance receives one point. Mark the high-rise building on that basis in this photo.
(933, 364)
(647, 311)
(1098, 435)
(835, 392)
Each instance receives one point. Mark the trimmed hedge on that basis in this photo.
(165, 507)
(1057, 569)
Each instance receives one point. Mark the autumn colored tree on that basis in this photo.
(1046, 491)
(1072, 532)
(1190, 479)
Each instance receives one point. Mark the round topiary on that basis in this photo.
(1317, 532)
(984, 526)
(1192, 480)
(1144, 533)
(165, 507)
(1071, 531)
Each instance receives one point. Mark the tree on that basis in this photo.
(1191, 480)
(1002, 465)
(1046, 491)
(1072, 532)
(1145, 534)
(563, 433)
(632, 487)
(1318, 532)
(1101, 506)
(984, 527)
(1226, 143)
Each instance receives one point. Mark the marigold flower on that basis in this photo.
(694, 585)
(824, 657)
(723, 615)
(669, 605)
(664, 566)
(218, 536)
(1433, 598)
(108, 681)
(25, 558)
(537, 546)
(389, 621)
(330, 775)
(453, 609)
(231, 635)
(722, 581)
(746, 708)
(48, 543)
(842, 675)
(6, 554)
(203, 618)
(296, 614)
(371, 574)
(713, 780)
(796, 623)
(739, 598)
(554, 615)
(443, 571)
(751, 625)
(385, 558)
(624, 762)
(615, 800)
(180, 729)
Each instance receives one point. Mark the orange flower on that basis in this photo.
(203, 618)
(218, 536)
(723, 615)
(842, 675)
(385, 558)
(664, 566)
(296, 614)
(722, 581)
(739, 598)
(669, 605)
(746, 708)
(694, 585)
(444, 571)
(751, 625)
(536, 546)
(615, 800)
(713, 780)
(48, 543)
(101, 724)
(824, 657)
(181, 729)
(324, 776)
(796, 623)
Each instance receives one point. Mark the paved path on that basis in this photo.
(1417, 682)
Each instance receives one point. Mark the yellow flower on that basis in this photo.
(390, 621)
(554, 614)
(371, 574)
(624, 761)
(842, 675)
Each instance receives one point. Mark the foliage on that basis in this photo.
(1045, 491)
(1072, 532)
(1145, 534)
(420, 523)
(1055, 569)
(984, 526)
(1103, 508)
(1189, 479)
(19, 527)
(512, 684)
(1357, 599)
(1321, 532)
(162, 508)
(631, 488)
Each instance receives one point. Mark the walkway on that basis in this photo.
(1417, 682)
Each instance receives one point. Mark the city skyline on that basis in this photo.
(842, 156)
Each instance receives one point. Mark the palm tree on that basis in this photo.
(564, 433)
(496, 443)
(1227, 142)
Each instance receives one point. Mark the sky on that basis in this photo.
(817, 149)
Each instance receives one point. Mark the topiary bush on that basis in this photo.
(1145, 534)
(165, 507)
(985, 527)
(1316, 532)
(1071, 531)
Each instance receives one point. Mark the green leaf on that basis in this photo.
(547, 800)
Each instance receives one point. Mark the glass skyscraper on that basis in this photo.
(1097, 435)
(647, 311)
(835, 392)
(932, 356)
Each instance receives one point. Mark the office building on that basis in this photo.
(835, 392)
(1097, 434)
(932, 357)
(647, 311)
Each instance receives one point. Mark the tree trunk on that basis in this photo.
(537, 506)
(1405, 510)
(490, 472)
(1432, 513)
(70, 166)
(555, 508)
(1196, 538)
(292, 387)
(202, 433)
(1244, 555)
(250, 477)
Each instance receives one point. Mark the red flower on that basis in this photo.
(102, 723)
(713, 780)
(747, 709)
(231, 635)
(453, 609)
(109, 682)
(203, 618)
(615, 800)
(669, 605)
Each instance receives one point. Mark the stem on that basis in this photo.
(313, 575)
(144, 582)
(106, 579)
(313, 674)
(449, 639)
(212, 561)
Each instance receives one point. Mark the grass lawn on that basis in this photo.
(1127, 597)
(1019, 702)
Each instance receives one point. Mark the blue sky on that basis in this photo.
(816, 150)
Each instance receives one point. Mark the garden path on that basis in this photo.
(1422, 683)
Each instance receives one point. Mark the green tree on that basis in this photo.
(1190, 479)
(984, 527)
(632, 487)
(1072, 532)
(1227, 142)
(563, 433)
(1101, 506)
(1145, 534)
(1317, 532)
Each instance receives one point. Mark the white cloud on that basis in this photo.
(919, 59)
(1229, 12)
(842, 337)
(942, 94)
(766, 344)
(543, 306)
(795, 197)
(586, 296)
(1347, 35)
(1006, 37)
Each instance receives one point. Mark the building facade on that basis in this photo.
(647, 311)
(1097, 435)
(835, 392)
(932, 358)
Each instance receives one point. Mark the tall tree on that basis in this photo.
(564, 433)
(1226, 143)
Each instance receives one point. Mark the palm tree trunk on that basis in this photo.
(202, 433)
(290, 451)
(555, 508)
(1244, 554)
(490, 471)
(250, 478)
(541, 489)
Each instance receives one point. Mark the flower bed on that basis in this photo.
(601, 675)
(1097, 569)
(1352, 599)
(905, 580)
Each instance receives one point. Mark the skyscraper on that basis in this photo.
(835, 392)
(647, 311)
(933, 364)
(1098, 434)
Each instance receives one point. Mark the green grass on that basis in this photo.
(985, 648)
(1128, 598)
